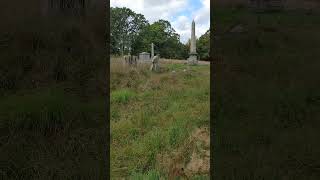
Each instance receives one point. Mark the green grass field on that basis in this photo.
(153, 119)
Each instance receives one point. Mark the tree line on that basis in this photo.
(132, 33)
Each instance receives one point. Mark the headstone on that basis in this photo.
(155, 63)
(152, 50)
(134, 60)
(193, 60)
(126, 59)
(144, 56)
(130, 60)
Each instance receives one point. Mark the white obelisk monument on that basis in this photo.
(192, 60)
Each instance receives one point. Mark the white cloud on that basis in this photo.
(153, 10)
(183, 26)
(169, 10)
(136, 6)
(202, 17)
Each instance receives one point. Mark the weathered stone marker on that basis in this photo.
(144, 56)
(130, 60)
(155, 63)
(134, 60)
(192, 60)
(152, 50)
(126, 59)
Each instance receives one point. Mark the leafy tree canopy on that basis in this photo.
(125, 26)
(203, 46)
(131, 32)
(166, 40)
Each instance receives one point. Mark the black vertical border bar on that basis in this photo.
(107, 59)
(212, 104)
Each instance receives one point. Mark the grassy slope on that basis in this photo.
(266, 95)
(154, 113)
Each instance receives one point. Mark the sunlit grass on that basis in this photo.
(165, 109)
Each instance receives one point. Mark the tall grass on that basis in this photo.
(158, 118)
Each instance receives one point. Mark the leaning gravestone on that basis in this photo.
(155, 64)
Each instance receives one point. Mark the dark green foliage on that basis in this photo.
(166, 40)
(131, 31)
(203, 46)
(125, 25)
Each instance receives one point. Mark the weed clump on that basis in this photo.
(122, 96)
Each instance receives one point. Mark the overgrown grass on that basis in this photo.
(164, 109)
(122, 96)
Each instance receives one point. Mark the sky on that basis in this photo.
(178, 12)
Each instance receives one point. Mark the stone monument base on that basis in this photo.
(192, 60)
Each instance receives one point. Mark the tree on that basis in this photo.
(203, 46)
(166, 40)
(125, 26)
(131, 32)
